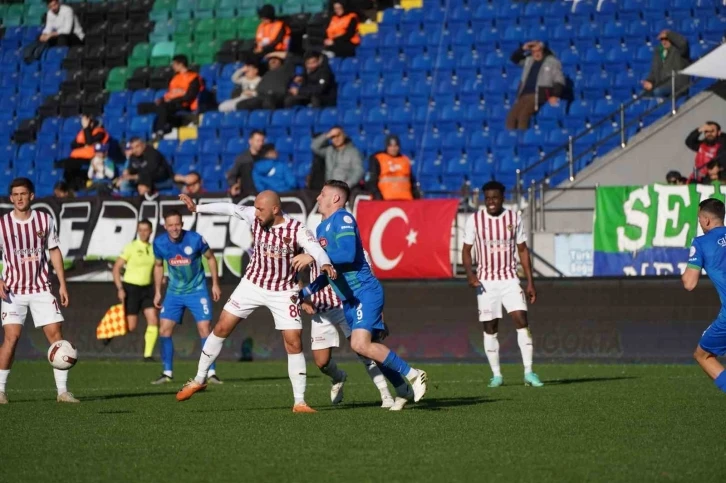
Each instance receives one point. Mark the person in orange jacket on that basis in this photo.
(184, 89)
(342, 32)
(82, 151)
(273, 35)
(390, 176)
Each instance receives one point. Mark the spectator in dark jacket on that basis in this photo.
(82, 152)
(146, 167)
(708, 142)
(274, 84)
(317, 86)
(542, 81)
(239, 177)
(668, 57)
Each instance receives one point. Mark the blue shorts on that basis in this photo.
(365, 311)
(198, 303)
(713, 339)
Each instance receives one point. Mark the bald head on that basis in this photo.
(268, 209)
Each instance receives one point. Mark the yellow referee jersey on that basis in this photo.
(139, 258)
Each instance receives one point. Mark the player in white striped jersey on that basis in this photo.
(269, 281)
(26, 236)
(498, 236)
(327, 317)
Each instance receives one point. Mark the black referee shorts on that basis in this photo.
(138, 298)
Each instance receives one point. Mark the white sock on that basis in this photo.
(297, 371)
(491, 347)
(376, 376)
(212, 372)
(210, 352)
(168, 373)
(331, 370)
(4, 373)
(524, 338)
(61, 381)
(412, 374)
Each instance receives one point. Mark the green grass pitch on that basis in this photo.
(609, 423)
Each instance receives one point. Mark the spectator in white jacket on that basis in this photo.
(62, 29)
(247, 78)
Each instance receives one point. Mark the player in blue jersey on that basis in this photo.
(360, 291)
(182, 251)
(708, 252)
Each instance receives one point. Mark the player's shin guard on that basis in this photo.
(394, 362)
(4, 373)
(61, 381)
(720, 381)
(331, 370)
(211, 348)
(152, 333)
(297, 371)
(377, 376)
(524, 338)
(213, 367)
(491, 347)
(167, 354)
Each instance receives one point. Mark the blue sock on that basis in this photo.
(393, 377)
(721, 381)
(167, 352)
(213, 367)
(397, 364)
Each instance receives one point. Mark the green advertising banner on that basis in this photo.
(645, 230)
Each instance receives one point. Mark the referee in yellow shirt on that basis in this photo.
(136, 291)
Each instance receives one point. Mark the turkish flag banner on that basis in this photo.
(408, 239)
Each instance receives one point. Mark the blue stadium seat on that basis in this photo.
(116, 127)
(583, 11)
(367, 47)
(457, 165)
(348, 70)
(370, 70)
(232, 123)
(371, 94)
(280, 123)
(597, 85)
(390, 44)
(348, 95)
(50, 127)
(143, 95)
(140, 126)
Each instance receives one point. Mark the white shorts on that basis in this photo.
(248, 296)
(497, 293)
(324, 329)
(43, 307)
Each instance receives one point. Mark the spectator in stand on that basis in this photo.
(273, 34)
(101, 172)
(62, 29)
(247, 79)
(343, 161)
(61, 191)
(390, 176)
(192, 183)
(182, 96)
(317, 84)
(273, 87)
(708, 142)
(715, 173)
(342, 33)
(147, 168)
(668, 57)
(269, 173)
(239, 177)
(82, 152)
(542, 81)
(675, 178)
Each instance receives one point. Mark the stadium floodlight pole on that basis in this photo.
(541, 206)
(571, 158)
(622, 125)
(673, 93)
(532, 212)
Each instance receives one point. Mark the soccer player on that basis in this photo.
(327, 314)
(498, 234)
(182, 251)
(269, 281)
(360, 291)
(136, 291)
(26, 236)
(708, 252)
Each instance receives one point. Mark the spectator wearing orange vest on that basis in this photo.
(342, 32)
(184, 89)
(272, 35)
(390, 176)
(82, 152)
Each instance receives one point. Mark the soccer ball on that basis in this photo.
(62, 355)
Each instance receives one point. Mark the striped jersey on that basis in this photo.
(270, 265)
(25, 246)
(495, 239)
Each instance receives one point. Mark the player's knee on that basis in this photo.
(359, 346)
(293, 347)
(699, 354)
(11, 339)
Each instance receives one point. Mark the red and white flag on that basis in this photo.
(408, 239)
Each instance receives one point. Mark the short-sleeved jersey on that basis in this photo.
(339, 236)
(709, 252)
(184, 261)
(24, 245)
(139, 258)
(495, 239)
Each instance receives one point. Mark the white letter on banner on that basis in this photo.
(214, 227)
(635, 218)
(669, 217)
(112, 232)
(71, 239)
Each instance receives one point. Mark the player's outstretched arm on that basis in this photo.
(527, 267)
(310, 244)
(315, 286)
(56, 258)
